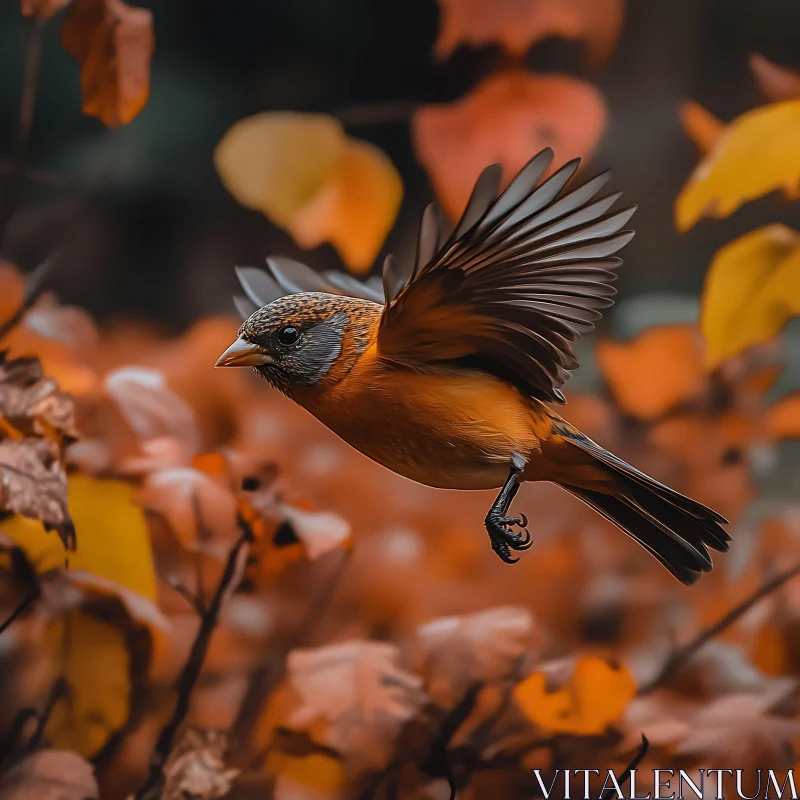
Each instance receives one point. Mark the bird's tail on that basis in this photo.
(677, 530)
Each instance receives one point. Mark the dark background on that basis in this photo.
(161, 236)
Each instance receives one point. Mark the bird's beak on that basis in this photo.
(243, 354)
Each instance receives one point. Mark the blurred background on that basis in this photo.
(164, 234)
(371, 645)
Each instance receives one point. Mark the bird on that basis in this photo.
(448, 370)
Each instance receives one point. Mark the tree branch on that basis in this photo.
(191, 671)
(683, 654)
(33, 62)
(625, 777)
(20, 608)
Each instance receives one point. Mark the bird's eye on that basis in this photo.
(288, 335)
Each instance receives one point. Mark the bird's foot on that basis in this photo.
(504, 539)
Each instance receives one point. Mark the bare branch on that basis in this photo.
(683, 654)
(191, 671)
(20, 608)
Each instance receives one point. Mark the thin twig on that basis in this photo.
(264, 680)
(58, 690)
(191, 671)
(11, 741)
(683, 654)
(33, 62)
(187, 595)
(625, 777)
(20, 608)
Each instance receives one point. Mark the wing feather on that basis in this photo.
(521, 278)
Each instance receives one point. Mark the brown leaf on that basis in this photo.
(113, 43)
(50, 775)
(196, 766)
(457, 652)
(32, 403)
(353, 698)
(776, 82)
(33, 484)
(151, 408)
(42, 9)
(517, 24)
(507, 118)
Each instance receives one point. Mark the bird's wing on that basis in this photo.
(520, 278)
(286, 276)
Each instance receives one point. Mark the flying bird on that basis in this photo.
(448, 373)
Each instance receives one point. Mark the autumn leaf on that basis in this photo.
(113, 555)
(595, 696)
(150, 407)
(311, 777)
(776, 82)
(50, 775)
(32, 403)
(701, 126)
(33, 484)
(507, 118)
(196, 766)
(752, 290)
(42, 9)
(757, 154)
(457, 652)
(654, 372)
(517, 24)
(374, 698)
(113, 44)
(304, 174)
(782, 420)
(95, 664)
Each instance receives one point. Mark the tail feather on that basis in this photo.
(677, 530)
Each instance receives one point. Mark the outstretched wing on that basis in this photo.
(520, 278)
(286, 276)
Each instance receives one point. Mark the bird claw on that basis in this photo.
(504, 539)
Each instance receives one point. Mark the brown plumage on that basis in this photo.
(444, 373)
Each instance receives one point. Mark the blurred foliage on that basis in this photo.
(206, 594)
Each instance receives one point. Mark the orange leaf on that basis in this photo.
(308, 177)
(508, 117)
(595, 696)
(656, 371)
(776, 82)
(701, 126)
(517, 24)
(783, 418)
(113, 43)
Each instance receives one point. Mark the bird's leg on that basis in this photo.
(499, 526)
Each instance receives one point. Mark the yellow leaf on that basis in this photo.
(315, 776)
(758, 153)
(113, 554)
(356, 209)
(596, 695)
(304, 174)
(752, 290)
(94, 661)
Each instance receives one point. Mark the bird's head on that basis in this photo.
(301, 339)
